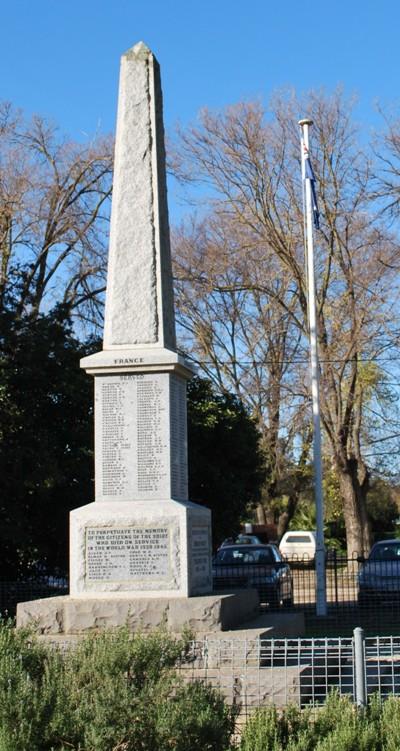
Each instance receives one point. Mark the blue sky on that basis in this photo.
(60, 58)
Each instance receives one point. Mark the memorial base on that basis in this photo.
(144, 548)
(77, 615)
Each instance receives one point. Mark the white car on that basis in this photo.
(298, 545)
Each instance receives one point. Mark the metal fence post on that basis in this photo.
(335, 567)
(359, 668)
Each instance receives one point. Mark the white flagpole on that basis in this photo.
(312, 318)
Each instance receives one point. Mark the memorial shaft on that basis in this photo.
(142, 549)
(139, 303)
(142, 534)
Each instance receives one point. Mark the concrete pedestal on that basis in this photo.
(79, 615)
(151, 548)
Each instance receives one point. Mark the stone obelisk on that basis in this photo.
(141, 550)
(141, 536)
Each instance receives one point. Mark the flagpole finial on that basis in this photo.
(306, 121)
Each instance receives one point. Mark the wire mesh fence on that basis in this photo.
(382, 665)
(279, 672)
(253, 673)
(256, 672)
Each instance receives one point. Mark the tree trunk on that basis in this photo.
(260, 514)
(354, 494)
(286, 516)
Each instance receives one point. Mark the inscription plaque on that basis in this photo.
(127, 553)
(179, 471)
(200, 555)
(132, 437)
(141, 437)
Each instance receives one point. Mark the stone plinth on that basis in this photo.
(78, 615)
(153, 548)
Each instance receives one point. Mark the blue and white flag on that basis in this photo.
(309, 175)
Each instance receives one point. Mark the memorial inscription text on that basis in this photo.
(200, 555)
(125, 553)
(132, 433)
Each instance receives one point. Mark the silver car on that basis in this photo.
(258, 567)
(379, 576)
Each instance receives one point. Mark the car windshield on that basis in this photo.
(386, 552)
(299, 538)
(242, 554)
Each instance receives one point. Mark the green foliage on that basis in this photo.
(226, 467)
(45, 439)
(111, 691)
(381, 507)
(357, 736)
(116, 690)
(390, 724)
(271, 730)
(336, 726)
(196, 719)
(22, 671)
(339, 726)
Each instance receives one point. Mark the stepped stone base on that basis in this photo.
(79, 615)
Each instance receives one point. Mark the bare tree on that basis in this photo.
(246, 344)
(249, 167)
(54, 198)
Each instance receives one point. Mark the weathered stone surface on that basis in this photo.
(249, 687)
(78, 615)
(45, 615)
(142, 536)
(213, 612)
(284, 623)
(180, 566)
(139, 304)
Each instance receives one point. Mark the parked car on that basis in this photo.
(242, 539)
(252, 566)
(298, 546)
(379, 575)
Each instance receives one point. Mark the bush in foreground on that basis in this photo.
(335, 726)
(119, 692)
(112, 692)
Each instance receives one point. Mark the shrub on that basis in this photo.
(196, 718)
(26, 703)
(335, 726)
(390, 724)
(271, 730)
(112, 690)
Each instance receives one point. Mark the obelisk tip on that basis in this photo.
(139, 51)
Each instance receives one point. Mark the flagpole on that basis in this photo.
(312, 318)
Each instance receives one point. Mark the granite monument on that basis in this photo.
(141, 550)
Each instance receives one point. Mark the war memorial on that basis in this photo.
(140, 553)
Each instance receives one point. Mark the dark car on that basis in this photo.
(379, 575)
(258, 567)
(241, 539)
